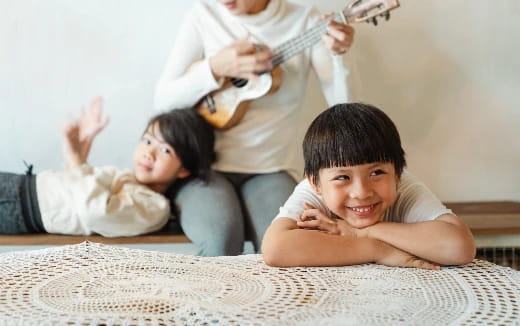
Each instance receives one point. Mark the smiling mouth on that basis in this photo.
(363, 210)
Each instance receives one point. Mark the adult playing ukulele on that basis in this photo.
(218, 40)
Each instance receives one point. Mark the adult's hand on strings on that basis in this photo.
(241, 59)
(339, 37)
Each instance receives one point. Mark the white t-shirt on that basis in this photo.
(103, 200)
(264, 140)
(414, 203)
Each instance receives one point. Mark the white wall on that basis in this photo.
(445, 71)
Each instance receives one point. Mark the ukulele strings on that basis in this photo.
(299, 43)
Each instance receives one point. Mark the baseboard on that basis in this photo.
(489, 218)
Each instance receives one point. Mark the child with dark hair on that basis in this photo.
(358, 204)
(106, 200)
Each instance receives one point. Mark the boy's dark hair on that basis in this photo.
(191, 137)
(351, 134)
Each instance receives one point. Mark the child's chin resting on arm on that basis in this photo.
(359, 205)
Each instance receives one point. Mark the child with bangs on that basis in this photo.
(113, 202)
(358, 204)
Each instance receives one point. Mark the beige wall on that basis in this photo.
(445, 71)
(448, 74)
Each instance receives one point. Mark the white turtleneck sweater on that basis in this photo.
(264, 139)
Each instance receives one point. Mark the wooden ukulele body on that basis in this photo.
(226, 106)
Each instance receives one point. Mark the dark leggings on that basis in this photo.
(19, 211)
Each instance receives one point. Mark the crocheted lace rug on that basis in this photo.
(94, 284)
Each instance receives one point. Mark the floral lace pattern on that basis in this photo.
(92, 284)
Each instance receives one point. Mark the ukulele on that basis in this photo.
(225, 107)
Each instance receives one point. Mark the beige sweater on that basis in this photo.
(103, 200)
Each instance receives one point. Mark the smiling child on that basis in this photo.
(358, 204)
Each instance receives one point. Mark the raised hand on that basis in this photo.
(78, 135)
(241, 59)
(339, 37)
(91, 121)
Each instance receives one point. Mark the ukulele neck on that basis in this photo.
(299, 43)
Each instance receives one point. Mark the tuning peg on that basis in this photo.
(374, 21)
(386, 15)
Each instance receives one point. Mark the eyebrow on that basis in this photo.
(375, 164)
(348, 168)
(151, 134)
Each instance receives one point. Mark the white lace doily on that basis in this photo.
(94, 284)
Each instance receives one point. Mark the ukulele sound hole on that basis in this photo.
(238, 82)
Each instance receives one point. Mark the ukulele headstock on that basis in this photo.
(367, 10)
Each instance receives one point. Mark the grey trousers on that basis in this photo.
(19, 212)
(220, 215)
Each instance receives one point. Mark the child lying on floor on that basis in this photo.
(358, 205)
(106, 200)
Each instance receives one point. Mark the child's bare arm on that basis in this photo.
(79, 135)
(446, 240)
(72, 146)
(285, 245)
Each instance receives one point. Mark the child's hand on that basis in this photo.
(78, 135)
(91, 121)
(313, 218)
(391, 256)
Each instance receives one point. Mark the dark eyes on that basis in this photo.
(378, 172)
(165, 150)
(345, 177)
